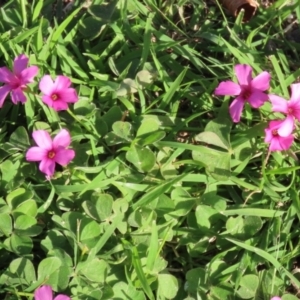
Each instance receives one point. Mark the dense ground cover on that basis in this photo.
(161, 195)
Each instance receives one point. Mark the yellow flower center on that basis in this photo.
(54, 97)
(51, 154)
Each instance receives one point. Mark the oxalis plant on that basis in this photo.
(148, 151)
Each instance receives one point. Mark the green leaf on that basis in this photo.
(27, 207)
(19, 139)
(142, 158)
(127, 292)
(144, 78)
(167, 285)
(5, 224)
(24, 222)
(216, 162)
(91, 27)
(289, 297)
(196, 280)
(205, 215)
(221, 127)
(47, 267)
(94, 270)
(128, 86)
(23, 268)
(210, 138)
(21, 244)
(249, 284)
(123, 130)
(17, 197)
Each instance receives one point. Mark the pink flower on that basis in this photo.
(290, 108)
(57, 94)
(275, 298)
(50, 152)
(277, 142)
(247, 90)
(16, 81)
(45, 293)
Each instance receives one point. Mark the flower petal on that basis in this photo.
(62, 139)
(295, 92)
(62, 297)
(286, 127)
(47, 166)
(28, 74)
(43, 293)
(229, 88)
(257, 98)
(281, 143)
(243, 74)
(275, 144)
(69, 95)
(59, 105)
(20, 63)
(262, 81)
(17, 95)
(64, 156)
(62, 82)
(236, 108)
(279, 104)
(46, 85)
(268, 136)
(43, 139)
(36, 154)
(6, 76)
(47, 100)
(294, 108)
(4, 90)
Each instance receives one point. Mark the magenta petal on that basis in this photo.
(4, 90)
(6, 76)
(62, 139)
(278, 104)
(43, 293)
(275, 298)
(257, 98)
(59, 105)
(64, 156)
(261, 81)
(46, 85)
(275, 144)
(62, 297)
(47, 100)
(294, 108)
(243, 74)
(20, 63)
(43, 139)
(295, 92)
(286, 127)
(17, 95)
(268, 136)
(68, 95)
(236, 109)
(229, 88)
(28, 74)
(285, 142)
(36, 154)
(62, 82)
(47, 166)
